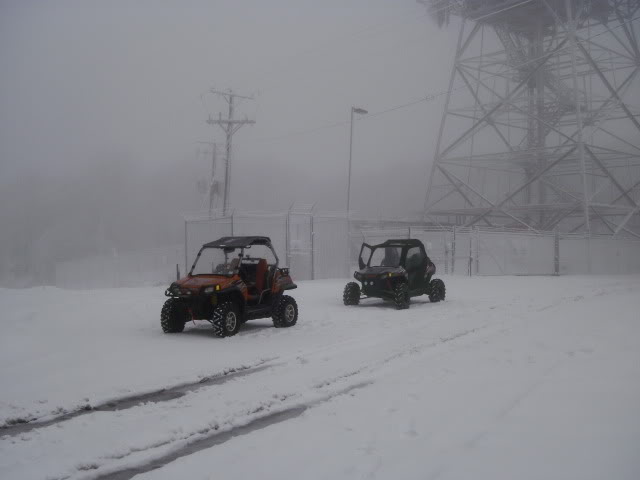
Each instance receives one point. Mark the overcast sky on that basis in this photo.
(82, 78)
(102, 104)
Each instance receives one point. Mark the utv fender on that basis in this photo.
(284, 283)
(233, 294)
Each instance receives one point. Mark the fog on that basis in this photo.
(102, 105)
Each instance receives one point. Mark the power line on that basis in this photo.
(366, 31)
(427, 98)
(375, 30)
(320, 46)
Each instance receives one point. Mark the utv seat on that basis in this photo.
(257, 288)
(415, 268)
(225, 268)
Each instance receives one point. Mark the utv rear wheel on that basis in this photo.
(438, 291)
(401, 295)
(351, 295)
(226, 320)
(173, 316)
(285, 312)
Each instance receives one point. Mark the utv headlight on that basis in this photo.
(208, 289)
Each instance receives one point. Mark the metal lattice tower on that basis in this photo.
(539, 129)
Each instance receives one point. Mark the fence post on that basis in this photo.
(556, 251)
(185, 245)
(287, 247)
(453, 252)
(446, 254)
(313, 255)
(589, 253)
(470, 251)
(348, 253)
(476, 235)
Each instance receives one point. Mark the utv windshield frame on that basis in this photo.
(230, 245)
(228, 259)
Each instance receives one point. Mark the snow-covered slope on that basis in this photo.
(512, 377)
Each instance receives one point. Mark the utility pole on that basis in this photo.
(229, 126)
(212, 180)
(214, 154)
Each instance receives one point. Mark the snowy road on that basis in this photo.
(512, 377)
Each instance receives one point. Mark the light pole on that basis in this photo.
(359, 111)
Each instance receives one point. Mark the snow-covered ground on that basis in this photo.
(509, 378)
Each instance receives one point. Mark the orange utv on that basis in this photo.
(232, 280)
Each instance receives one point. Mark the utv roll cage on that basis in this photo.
(229, 244)
(404, 245)
(230, 287)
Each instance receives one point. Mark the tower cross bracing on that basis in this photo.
(541, 125)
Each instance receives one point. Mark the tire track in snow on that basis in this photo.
(25, 424)
(412, 350)
(21, 426)
(270, 417)
(214, 436)
(130, 401)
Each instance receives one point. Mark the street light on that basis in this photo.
(359, 111)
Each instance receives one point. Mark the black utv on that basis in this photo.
(395, 270)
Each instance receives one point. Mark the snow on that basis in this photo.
(510, 377)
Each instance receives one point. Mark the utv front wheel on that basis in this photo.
(401, 295)
(285, 312)
(438, 291)
(226, 320)
(351, 294)
(173, 316)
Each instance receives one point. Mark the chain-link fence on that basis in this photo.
(323, 245)
(318, 245)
